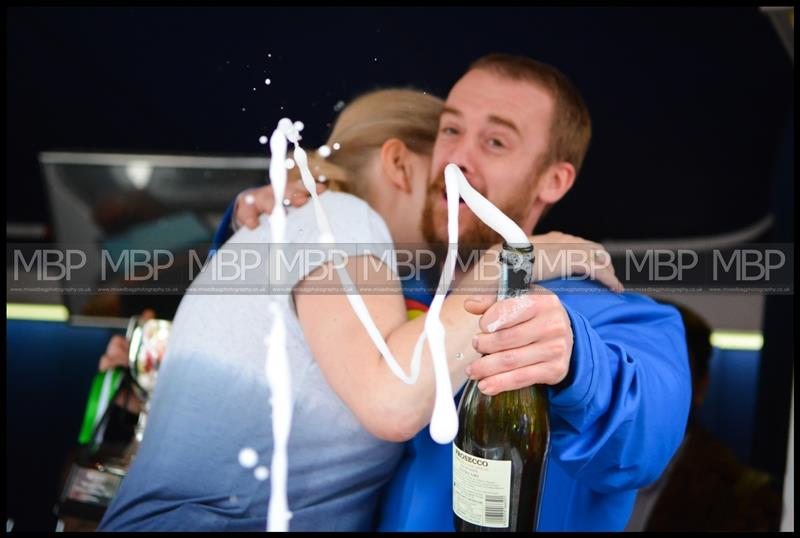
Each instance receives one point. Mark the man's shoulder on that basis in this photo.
(590, 297)
(586, 287)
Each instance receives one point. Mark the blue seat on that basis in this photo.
(49, 369)
(728, 410)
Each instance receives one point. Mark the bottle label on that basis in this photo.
(481, 489)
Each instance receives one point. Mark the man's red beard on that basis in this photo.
(475, 234)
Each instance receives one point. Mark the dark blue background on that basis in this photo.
(688, 104)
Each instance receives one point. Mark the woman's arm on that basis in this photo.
(386, 406)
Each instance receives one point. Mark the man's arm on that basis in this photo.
(620, 412)
(623, 414)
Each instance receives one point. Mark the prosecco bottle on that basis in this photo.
(500, 451)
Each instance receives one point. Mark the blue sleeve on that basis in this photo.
(224, 230)
(623, 410)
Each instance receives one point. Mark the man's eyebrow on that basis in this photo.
(508, 123)
(492, 118)
(451, 110)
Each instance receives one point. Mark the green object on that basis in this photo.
(37, 312)
(500, 450)
(738, 340)
(104, 387)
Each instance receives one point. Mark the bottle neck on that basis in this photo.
(516, 266)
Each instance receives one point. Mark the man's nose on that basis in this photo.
(462, 155)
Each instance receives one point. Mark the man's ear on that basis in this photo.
(556, 182)
(396, 165)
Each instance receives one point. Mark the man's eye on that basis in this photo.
(495, 143)
(449, 130)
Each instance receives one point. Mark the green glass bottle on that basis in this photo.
(500, 451)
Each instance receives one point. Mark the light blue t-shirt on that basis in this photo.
(212, 400)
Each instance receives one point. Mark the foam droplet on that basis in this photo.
(262, 139)
(338, 106)
(243, 109)
(336, 145)
(289, 164)
(298, 125)
(248, 458)
(262, 473)
(459, 356)
(444, 423)
(254, 89)
(288, 130)
(322, 179)
(269, 55)
(324, 151)
(285, 125)
(267, 82)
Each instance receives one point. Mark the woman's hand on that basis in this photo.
(253, 202)
(560, 255)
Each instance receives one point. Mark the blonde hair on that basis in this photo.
(365, 124)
